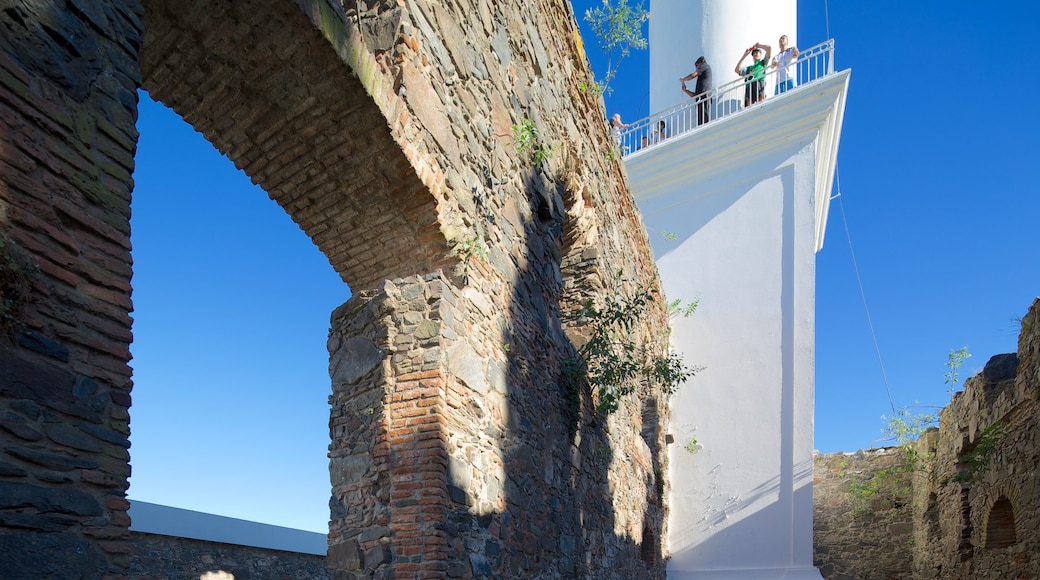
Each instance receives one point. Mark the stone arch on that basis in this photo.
(1000, 525)
(274, 89)
(262, 84)
(375, 126)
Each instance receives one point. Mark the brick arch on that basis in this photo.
(1000, 524)
(263, 85)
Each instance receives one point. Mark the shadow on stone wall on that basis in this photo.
(567, 470)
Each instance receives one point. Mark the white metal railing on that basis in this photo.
(723, 101)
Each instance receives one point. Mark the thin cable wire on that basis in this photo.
(863, 296)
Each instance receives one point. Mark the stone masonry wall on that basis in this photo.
(528, 491)
(160, 557)
(385, 129)
(979, 515)
(974, 503)
(68, 102)
(860, 534)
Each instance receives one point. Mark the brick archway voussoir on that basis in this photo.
(262, 84)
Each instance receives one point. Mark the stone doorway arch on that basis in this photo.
(230, 325)
(260, 81)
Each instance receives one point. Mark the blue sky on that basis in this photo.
(938, 182)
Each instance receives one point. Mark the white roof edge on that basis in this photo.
(827, 154)
(164, 520)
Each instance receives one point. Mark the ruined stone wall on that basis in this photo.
(533, 485)
(387, 131)
(979, 515)
(158, 557)
(974, 501)
(858, 533)
(494, 468)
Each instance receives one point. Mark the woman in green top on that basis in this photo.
(754, 74)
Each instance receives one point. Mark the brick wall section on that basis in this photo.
(384, 130)
(164, 557)
(67, 108)
(972, 514)
(482, 473)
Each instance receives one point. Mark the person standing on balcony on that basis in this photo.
(660, 133)
(782, 62)
(616, 127)
(701, 89)
(755, 73)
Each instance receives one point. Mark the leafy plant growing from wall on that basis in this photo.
(618, 28)
(527, 142)
(976, 461)
(906, 428)
(679, 307)
(954, 361)
(467, 249)
(610, 363)
(892, 484)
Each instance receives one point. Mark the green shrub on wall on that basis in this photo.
(610, 363)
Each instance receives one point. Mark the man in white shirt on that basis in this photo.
(782, 62)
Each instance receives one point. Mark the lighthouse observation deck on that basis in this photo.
(726, 100)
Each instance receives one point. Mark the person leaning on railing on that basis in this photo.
(755, 73)
(700, 90)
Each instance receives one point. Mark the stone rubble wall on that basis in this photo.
(159, 557)
(974, 504)
(530, 490)
(862, 536)
(952, 513)
(535, 485)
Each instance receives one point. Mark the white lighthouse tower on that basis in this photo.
(743, 200)
(718, 30)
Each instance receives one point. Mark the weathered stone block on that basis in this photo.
(355, 358)
(48, 499)
(1000, 367)
(346, 555)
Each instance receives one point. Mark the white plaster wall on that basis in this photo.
(731, 481)
(720, 30)
(741, 504)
